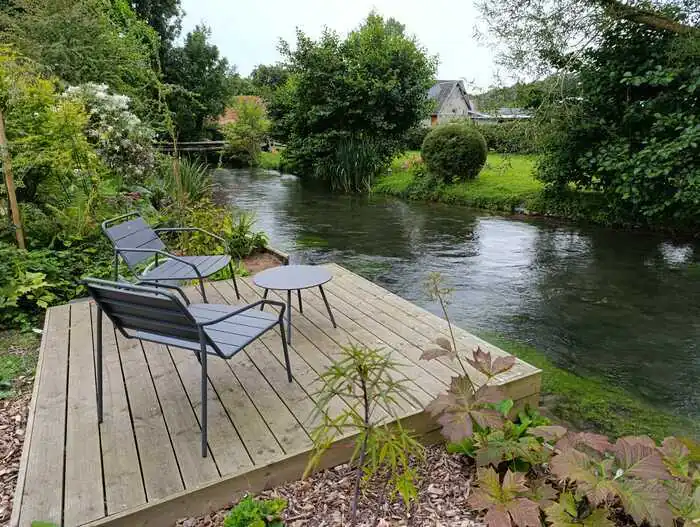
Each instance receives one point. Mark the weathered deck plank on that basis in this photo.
(159, 468)
(122, 470)
(40, 493)
(259, 423)
(83, 495)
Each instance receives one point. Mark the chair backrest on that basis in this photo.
(132, 233)
(143, 308)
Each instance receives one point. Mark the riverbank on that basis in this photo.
(587, 403)
(506, 184)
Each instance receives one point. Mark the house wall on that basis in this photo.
(454, 107)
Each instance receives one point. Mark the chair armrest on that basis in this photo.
(246, 308)
(166, 286)
(163, 253)
(190, 229)
(105, 224)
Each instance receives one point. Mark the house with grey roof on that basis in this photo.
(451, 102)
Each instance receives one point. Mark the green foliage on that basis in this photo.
(372, 86)
(88, 41)
(566, 513)
(633, 130)
(256, 513)
(245, 135)
(266, 79)
(510, 137)
(454, 151)
(354, 166)
(369, 382)
(414, 137)
(243, 240)
(30, 281)
(122, 141)
(18, 355)
(199, 79)
(593, 477)
(187, 180)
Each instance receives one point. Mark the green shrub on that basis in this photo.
(454, 151)
(31, 281)
(513, 137)
(256, 513)
(243, 240)
(414, 137)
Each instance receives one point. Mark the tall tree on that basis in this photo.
(201, 83)
(539, 35)
(87, 41)
(372, 86)
(164, 16)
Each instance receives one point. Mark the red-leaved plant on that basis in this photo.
(576, 479)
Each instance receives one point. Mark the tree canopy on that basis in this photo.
(200, 78)
(372, 85)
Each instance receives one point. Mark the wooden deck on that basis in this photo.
(142, 466)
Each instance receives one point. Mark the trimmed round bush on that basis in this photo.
(454, 150)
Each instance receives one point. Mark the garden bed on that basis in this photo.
(323, 500)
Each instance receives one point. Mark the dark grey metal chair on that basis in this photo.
(135, 241)
(155, 313)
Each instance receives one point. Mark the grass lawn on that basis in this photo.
(587, 403)
(506, 183)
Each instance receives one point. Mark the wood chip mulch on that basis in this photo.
(13, 423)
(323, 500)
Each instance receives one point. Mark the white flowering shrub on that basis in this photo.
(121, 139)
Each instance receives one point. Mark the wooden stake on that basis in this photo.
(10, 184)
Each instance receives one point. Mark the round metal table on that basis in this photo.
(294, 277)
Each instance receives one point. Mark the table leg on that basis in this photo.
(328, 307)
(262, 306)
(301, 309)
(289, 316)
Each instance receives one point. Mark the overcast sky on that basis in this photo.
(247, 32)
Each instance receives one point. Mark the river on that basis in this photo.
(623, 306)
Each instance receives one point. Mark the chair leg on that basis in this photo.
(233, 278)
(201, 288)
(301, 308)
(98, 364)
(262, 306)
(286, 352)
(203, 362)
(328, 306)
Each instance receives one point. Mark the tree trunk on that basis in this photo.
(10, 184)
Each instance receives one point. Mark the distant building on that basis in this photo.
(230, 116)
(451, 102)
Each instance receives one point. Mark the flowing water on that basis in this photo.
(624, 306)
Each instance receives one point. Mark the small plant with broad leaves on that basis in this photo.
(256, 513)
(367, 384)
(465, 408)
(506, 501)
(528, 469)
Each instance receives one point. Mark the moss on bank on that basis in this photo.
(587, 403)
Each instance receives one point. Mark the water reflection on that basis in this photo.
(625, 306)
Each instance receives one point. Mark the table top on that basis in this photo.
(289, 277)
